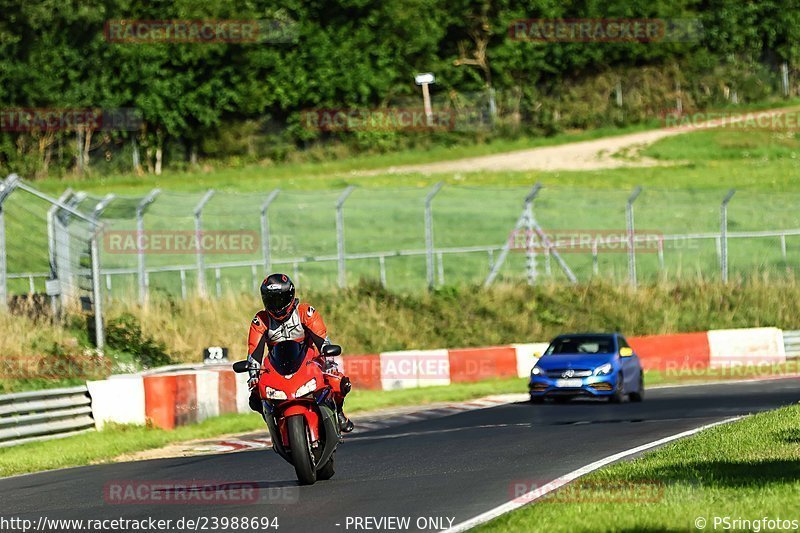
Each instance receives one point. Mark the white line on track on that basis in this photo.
(557, 483)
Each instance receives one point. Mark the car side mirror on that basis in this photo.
(625, 352)
(240, 367)
(331, 350)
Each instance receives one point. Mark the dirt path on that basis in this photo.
(585, 155)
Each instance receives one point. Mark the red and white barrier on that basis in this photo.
(185, 396)
(752, 346)
(527, 355)
(119, 399)
(414, 368)
(681, 351)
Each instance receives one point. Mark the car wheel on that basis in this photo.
(638, 396)
(537, 399)
(619, 394)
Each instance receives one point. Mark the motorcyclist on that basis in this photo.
(285, 318)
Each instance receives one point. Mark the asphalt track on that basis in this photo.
(454, 467)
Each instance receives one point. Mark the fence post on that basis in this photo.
(785, 78)
(530, 252)
(382, 262)
(631, 238)
(149, 199)
(429, 232)
(783, 246)
(340, 235)
(99, 333)
(183, 284)
(101, 206)
(522, 221)
(6, 188)
(96, 212)
(265, 246)
(724, 234)
(198, 230)
(52, 213)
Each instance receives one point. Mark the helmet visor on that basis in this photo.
(276, 301)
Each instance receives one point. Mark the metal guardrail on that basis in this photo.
(791, 344)
(45, 414)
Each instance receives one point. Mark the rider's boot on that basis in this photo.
(345, 424)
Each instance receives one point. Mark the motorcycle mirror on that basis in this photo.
(241, 367)
(331, 350)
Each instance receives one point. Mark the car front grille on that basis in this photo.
(558, 373)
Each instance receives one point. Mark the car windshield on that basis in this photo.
(584, 344)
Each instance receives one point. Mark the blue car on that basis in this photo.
(595, 365)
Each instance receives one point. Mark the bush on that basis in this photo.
(125, 334)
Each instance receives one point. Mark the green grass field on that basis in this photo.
(748, 469)
(386, 214)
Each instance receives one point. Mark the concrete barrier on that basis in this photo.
(184, 394)
(680, 351)
(160, 395)
(751, 346)
(476, 364)
(527, 356)
(364, 371)
(119, 400)
(414, 368)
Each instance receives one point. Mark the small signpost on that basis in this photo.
(425, 80)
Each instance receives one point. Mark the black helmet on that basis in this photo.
(277, 293)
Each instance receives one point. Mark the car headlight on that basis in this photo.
(536, 371)
(603, 370)
(310, 386)
(274, 394)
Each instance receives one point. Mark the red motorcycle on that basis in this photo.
(298, 408)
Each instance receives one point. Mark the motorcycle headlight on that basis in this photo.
(274, 394)
(603, 370)
(309, 387)
(536, 371)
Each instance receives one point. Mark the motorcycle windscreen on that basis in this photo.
(286, 357)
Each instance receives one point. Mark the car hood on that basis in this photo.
(578, 360)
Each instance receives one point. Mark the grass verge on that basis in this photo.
(747, 470)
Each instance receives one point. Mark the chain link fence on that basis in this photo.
(210, 243)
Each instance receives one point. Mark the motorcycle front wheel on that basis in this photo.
(302, 456)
